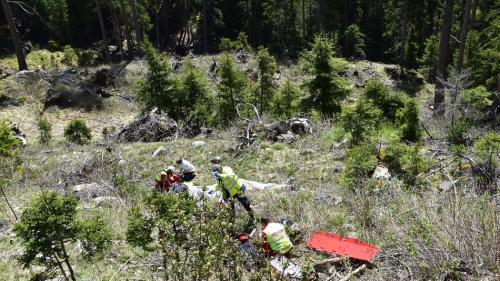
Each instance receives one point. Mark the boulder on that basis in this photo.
(106, 201)
(381, 173)
(198, 144)
(160, 151)
(87, 191)
(445, 186)
(300, 126)
(151, 127)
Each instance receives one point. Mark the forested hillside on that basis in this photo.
(374, 120)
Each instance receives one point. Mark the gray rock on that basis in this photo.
(381, 173)
(445, 186)
(339, 154)
(87, 191)
(198, 144)
(106, 200)
(287, 138)
(160, 151)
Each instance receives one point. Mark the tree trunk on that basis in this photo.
(463, 35)
(303, 19)
(444, 49)
(21, 60)
(66, 261)
(157, 23)
(128, 34)
(205, 26)
(103, 30)
(403, 35)
(7, 200)
(118, 32)
(137, 22)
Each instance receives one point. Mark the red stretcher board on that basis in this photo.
(337, 244)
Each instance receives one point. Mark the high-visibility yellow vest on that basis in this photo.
(277, 238)
(229, 181)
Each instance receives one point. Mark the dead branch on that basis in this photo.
(350, 275)
(326, 261)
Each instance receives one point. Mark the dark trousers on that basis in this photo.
(188, 176)
(245, 202)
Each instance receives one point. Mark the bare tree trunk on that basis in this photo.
(116, 26)
(137, 23)
(103, 30)
(128, 34)
(444, 49)
(403, 36)
(157, 23)
(66, 261)
(21, 59)
(463, 35)
(205, 26)
(7, 200)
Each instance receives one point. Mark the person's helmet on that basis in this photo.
(215, 160)
(163, 173)
(170, 169)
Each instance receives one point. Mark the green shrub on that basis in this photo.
(477, 98)
(8, 143)
(360, 120)
(382, 97)
(267, 68)
(286, 102)
(55, 46)
(77, 132)
(457, 133)
(70, 56)
(487, 156)
(360, 164)
(46, 227)
(191, 235)
(327, 89)
(354, 43)
(406, 161)
(241, 42)
(408, 121)
(87, 57)
(232, 89)
(159, 88)
(45, 129)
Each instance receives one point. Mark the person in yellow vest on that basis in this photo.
(232, 189)
(276, 240)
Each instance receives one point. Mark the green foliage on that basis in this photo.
(48, 224)
(360, 120)
(476, 99)
(267, 68)
(354, 43)
(326, 89)
(389, 102)
(241, 42)
(406, 161)
(70, 56)
(360, 164)
(159, 88)
(194, 97)
(87, 57)
(94, 235)
(286, 102)
(45, 129)
(231, 88)
(487, 151)
(54, 46)
(8, 143)
(430, 58)
(457, 133)
(408, 121)
(190, 236)
(77, 132)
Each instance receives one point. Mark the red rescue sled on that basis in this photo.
(337, 244)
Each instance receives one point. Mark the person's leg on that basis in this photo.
(187, 177)
(245, 201)
(233, 210)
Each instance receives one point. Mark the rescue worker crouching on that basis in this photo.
(187, 170)
(166, 179)
(232, 189)
(276, 241)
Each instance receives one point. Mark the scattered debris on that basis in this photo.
(445, 186)
(151, 127)
(300, 126)
(18, 134)
(286, 267)
(160, 151)
(103, 78)
(242, 56)
(106, 201)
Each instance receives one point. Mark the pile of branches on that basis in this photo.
(151, 127)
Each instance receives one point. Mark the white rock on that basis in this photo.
(160, 151)
(445, 186)
(198, 143)
(381, 173)
(106, 200)
(87, 191)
